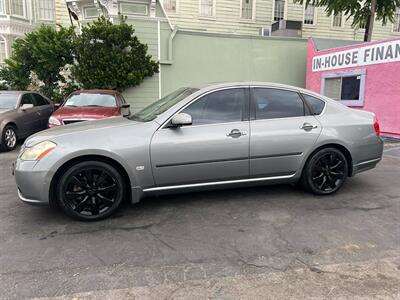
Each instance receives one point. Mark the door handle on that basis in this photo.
(308, 126)
(235, 133)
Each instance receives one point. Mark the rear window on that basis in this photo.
(316, 105)
(102, 100)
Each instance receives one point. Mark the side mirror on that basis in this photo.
(26, 106)
(57, 106)
(181, 119)
(125, 110)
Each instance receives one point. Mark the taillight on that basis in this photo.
(376, 126)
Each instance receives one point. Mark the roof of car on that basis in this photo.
(15, 92)
(246, 83)
(111, 92)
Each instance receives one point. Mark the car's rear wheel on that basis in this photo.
(90, 190)
(325, 172)
(9, 138)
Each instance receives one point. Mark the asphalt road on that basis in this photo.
(267, 242)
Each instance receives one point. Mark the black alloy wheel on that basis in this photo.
(90, 190)
(325, 172)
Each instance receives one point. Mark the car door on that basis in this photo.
(282, 132)
(44, 109)
(214, 148)
(28, 119)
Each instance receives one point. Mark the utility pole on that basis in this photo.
(370, 25)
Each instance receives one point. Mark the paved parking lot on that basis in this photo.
(266, 242)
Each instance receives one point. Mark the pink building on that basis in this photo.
(363, 76)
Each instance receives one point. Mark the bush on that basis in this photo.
(109, 56)
(37, 59)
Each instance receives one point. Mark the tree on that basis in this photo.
(361, 11)
(110, 56)
(38, 59)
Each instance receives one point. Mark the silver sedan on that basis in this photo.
(216, 136)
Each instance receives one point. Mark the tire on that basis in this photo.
(9, 138)
(90, 190)
(325, 172)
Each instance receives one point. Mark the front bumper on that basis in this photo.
(33, 185)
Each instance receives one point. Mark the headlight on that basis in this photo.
(54, 121)
(38, 151)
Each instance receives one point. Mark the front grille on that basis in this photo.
(66, 122)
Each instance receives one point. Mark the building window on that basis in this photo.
(247, 9)
(396, 24)
(2, 7)
(134, 8)
(279, 10)
(46, 9)
(170, 6)
(18, 8)
(337, 20)
(90, 12)
(3, 49)
(309, 13)
(347, 87)
(207, 8)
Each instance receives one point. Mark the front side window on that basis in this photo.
(343, 88)
(337, 20)
(275, 103)
(207, 8)
(316, 105)
(8, 101)
(18, 8)
(247, 9)
(46, 9)
(153, 110)
(396, 23)
(309, 14)
(279, 10)
(90, 12)
(39, 100)
(91, 99)
(26, 99)
(218, 107)
(170, 6)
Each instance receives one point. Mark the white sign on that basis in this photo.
(368, 55)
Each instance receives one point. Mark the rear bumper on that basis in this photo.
(366, 165)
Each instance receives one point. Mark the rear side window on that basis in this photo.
(218, 107)
(316, 105)
(275, 103)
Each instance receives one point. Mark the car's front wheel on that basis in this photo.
(8, 138)
(325, 172)
(90, 190)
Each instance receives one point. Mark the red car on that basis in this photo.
(87, 105)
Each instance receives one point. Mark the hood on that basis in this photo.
(53, 133)
(3, 110)
(85, 112)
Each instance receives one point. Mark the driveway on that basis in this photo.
(265, 242)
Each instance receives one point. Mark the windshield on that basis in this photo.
(8, 101)
(153, 110)
(104, 100)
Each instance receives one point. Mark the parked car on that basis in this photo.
(87, 105)
(224, 135)
(22, 114)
